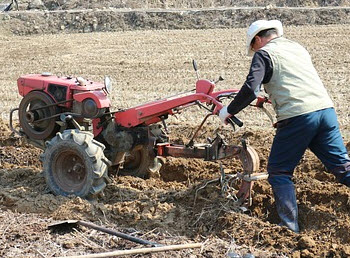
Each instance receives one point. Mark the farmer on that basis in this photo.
(304, 110)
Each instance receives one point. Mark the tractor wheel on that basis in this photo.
(74, 164)
(31, 109)
(141, 163)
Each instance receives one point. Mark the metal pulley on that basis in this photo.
(35, 111)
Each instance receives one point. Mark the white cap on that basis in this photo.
(258, 26)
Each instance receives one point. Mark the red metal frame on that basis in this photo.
(146, 114)
(152, 112)
(206, 152)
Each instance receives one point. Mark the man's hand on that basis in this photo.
(223, 114)
(261, 100)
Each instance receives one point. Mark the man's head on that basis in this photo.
(261, 32)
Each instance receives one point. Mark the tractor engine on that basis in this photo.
(48, 100)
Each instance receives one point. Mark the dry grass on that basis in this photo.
(28, 235)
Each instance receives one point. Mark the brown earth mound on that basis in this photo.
(172, 208)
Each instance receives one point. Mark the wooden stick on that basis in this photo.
(139, 251)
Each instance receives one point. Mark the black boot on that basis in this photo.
(342, 174)
(346, 179)
(286, 205)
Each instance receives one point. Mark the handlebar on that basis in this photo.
(234, 120)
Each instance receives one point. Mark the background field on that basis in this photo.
(147, 65)
(145, 4)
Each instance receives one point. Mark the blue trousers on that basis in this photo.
(318, 131)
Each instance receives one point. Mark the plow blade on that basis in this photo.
(217, 150)
(245, 190)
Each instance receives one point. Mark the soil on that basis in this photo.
(170, 209)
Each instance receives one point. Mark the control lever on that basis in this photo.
(66, 118)
(219, 80)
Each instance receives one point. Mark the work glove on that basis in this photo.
(224, 114)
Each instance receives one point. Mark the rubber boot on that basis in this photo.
(342, 174)
(286, 205)
(285, 199)
(346, 179)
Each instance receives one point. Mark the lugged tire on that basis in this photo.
(74, 164)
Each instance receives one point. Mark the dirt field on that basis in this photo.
(147, 65)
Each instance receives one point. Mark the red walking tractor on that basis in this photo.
(83, 140)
